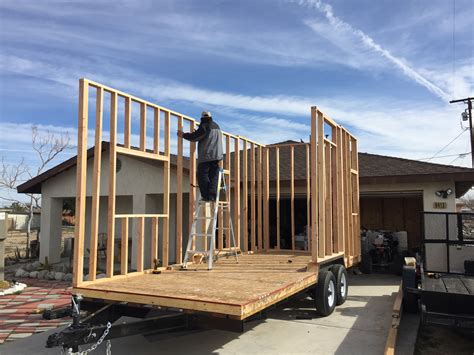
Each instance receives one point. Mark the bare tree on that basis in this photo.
(47, 147)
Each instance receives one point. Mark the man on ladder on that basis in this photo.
(211, 180)
(210, 154)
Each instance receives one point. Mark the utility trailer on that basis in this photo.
(160, 292)
(441, 281)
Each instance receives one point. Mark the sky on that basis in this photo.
(386, 70)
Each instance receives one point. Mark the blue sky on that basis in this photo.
(384, 69)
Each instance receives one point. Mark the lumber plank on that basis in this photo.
(192, 177)
(166, 193)
(277, 167)
(328, 199)
(321, 187)
(179, 197)
(252, 198)
(128, 121)
(96, 185)
(124, 247)
(156, 130)
(266, 199)
(237, 191)
(314, 185)
(229, 187)
(292, 196)
(142, 127)
(81, 175)
(140, 243)
(112, 182)
(259, 198)
(154, 241)
(141, 154)
(245, 202)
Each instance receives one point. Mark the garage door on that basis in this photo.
(394, 212)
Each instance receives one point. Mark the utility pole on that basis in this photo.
(468, 101)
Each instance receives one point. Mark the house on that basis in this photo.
(393, 193)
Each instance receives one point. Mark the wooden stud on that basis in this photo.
(308, 197)
(314, 185)
(277, 167)
(266, 198)
(81, 175)
(245, 234)
(156, 130)
(124, 247)
(179, 197)
(259, 197)
(321, 187)
(112, 177)
(340, 193)
(128, 122)
(154, 241)
(96, 185)
(292, 196)
(140, 243)
(166, 193)
(237, 191)
(142, 127)
(192, 177)
(252, 197)
(328, 198)
(227, 215)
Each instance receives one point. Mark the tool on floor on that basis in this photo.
(200, 215)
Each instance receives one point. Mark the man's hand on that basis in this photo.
(180, 133)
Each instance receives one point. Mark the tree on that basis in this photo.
(46, 147)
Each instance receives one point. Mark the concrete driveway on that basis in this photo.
(360, 326)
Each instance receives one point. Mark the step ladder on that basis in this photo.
(200, 215)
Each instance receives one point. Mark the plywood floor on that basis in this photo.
(238, 290)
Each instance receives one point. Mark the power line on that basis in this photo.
(445, 156)
(461, 156)
(447, 145)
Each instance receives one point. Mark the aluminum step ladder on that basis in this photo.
(200, 215)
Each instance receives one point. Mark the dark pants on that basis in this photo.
(208, 174)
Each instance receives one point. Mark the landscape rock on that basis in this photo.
(29, 267)
(34, 274)
(67, 277)
(42, 274)
(86, 277)
(36, 265)
(101, 276)
(59, 275)
(50, 275)
(21, 273)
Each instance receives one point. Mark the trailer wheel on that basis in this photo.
(342, 285)
(410, 299)
(325, 293)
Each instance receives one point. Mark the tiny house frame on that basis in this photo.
(332, 212)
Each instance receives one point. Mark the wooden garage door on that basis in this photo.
(394, 213)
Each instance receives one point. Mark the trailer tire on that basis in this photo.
(410, 299)
(325, 293)
(340, 273)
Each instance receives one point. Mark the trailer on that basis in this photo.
(157, 288)
(441, 282)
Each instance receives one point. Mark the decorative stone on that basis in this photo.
(86, 277)
(67, 277)
(34, 274)
(21, 273)
(37, 265)
(42, 274)
(59, 276)
(101, 276)
(50, 275)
